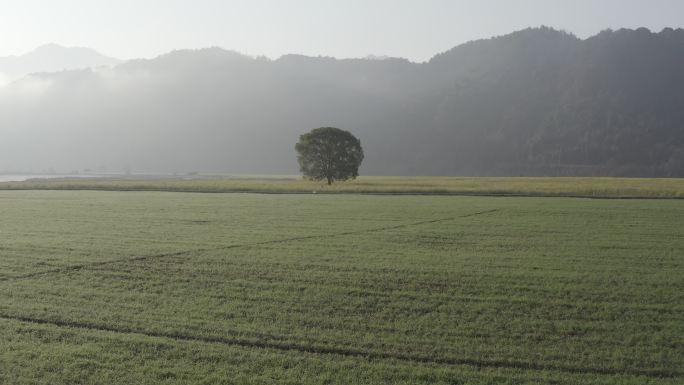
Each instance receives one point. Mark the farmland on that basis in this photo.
(471, 186)
(147, 287)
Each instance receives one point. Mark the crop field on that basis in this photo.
(471, 186)
(103, 287)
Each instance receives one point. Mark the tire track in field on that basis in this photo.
(70, 268)
(375, 230)
(348, 352)
(66, 269)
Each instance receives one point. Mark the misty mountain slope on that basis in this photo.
(535, 102)
(623, 103)
(52, 58)
(496, 95)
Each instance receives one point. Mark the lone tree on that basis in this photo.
(329, 153)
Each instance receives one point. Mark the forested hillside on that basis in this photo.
(535, 102)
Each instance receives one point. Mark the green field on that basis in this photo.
(100, 287)
(472, 186)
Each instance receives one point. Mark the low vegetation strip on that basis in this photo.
(350, 352)
(503, 186)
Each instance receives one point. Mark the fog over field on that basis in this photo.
(534, 102)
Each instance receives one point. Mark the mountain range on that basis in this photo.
(534, 102)
(52, 58)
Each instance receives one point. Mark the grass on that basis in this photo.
(566, 187)
(150, 287)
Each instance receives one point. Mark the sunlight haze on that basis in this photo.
(416, 30)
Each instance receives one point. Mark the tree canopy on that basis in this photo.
(329, 153)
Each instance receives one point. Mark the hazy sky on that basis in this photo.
(415, 29)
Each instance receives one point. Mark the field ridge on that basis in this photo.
(614, 188)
